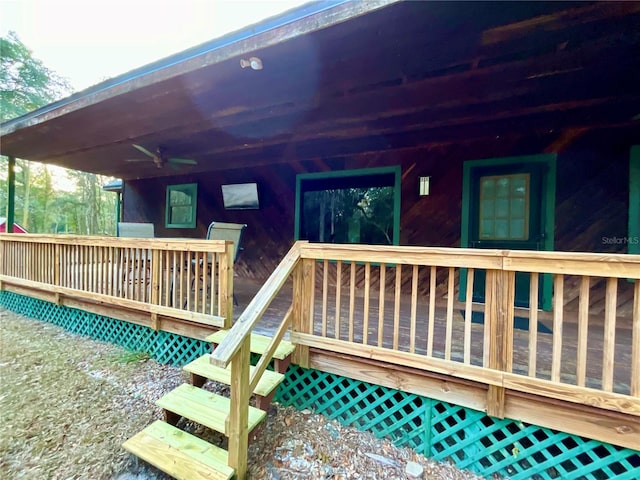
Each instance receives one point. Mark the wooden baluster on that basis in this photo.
(166, 268)
(396, 307)
(56, 258)
(365, 308)
(196, 280)
(189, 284)
(352, 299)
(212, 273)
(183, 266)
(468, 312)
(609, 347)
(533, 324)
(174, 279)
(383, 281)
(432, 310)
(583, 331)
(449, 327)
(325, 290)
(558, 311)
(635, 342)
(156, 275)
(336, 327)
(414, 308)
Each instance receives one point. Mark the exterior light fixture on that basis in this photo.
(424, 186)
(254, 62)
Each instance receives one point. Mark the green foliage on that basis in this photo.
(25, 82)
(42, 204)
(131, 356)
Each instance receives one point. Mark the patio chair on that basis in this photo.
(137, 230)
(225, 231)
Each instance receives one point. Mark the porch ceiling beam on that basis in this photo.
(533, 76)
(537, 122)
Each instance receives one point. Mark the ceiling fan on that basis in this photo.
(160, 159)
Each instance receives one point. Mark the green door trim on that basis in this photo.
(360, 172)
(548, 213)
(633, 245)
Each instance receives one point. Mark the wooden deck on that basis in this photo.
(385, 315)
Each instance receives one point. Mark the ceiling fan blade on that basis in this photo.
(183, 161)
(143, 150)
(137, 160)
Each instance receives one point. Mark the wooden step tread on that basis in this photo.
(259, 344)
(179, 453)
(204, 407)
(203, 367)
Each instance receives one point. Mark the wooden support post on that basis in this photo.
(238, 420)
(500, 296)
(225, 285)
(303, 285)
(11, 195)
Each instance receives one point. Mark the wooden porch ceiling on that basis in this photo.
(358, 81)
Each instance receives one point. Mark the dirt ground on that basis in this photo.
(67, 403)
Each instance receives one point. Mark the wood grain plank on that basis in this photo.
(635, 339)
(558, 311)
(381, 298)
(609, 344)
(414, 308)
(396, 306)
(449, 327)
(533, 323)
(583, 331)
(432, 309)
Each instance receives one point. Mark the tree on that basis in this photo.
(25, 82)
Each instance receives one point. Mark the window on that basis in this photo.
(351, 206)
(504, 207)
(181, 205)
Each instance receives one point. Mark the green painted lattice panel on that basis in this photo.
(163, 346)
(469, 438)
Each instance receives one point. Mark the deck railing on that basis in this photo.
(399, 305)
(185, 279)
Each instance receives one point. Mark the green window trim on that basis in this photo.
(184, 197)
(633, 245)
(395, 170)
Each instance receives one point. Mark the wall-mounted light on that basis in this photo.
(254, 62)
(424, 186)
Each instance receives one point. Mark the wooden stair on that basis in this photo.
(259, 343)
(179, 454)
(185, 456)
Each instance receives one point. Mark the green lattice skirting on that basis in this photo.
(163, 346)
(470, 439)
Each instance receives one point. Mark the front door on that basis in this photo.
(507, 205)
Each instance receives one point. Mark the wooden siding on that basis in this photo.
(591, 195)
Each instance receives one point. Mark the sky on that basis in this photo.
(88, 41)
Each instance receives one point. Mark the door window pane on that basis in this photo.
(504, 207)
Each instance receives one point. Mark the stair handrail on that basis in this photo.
(241, 330)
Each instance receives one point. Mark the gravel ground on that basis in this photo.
(68, 403)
